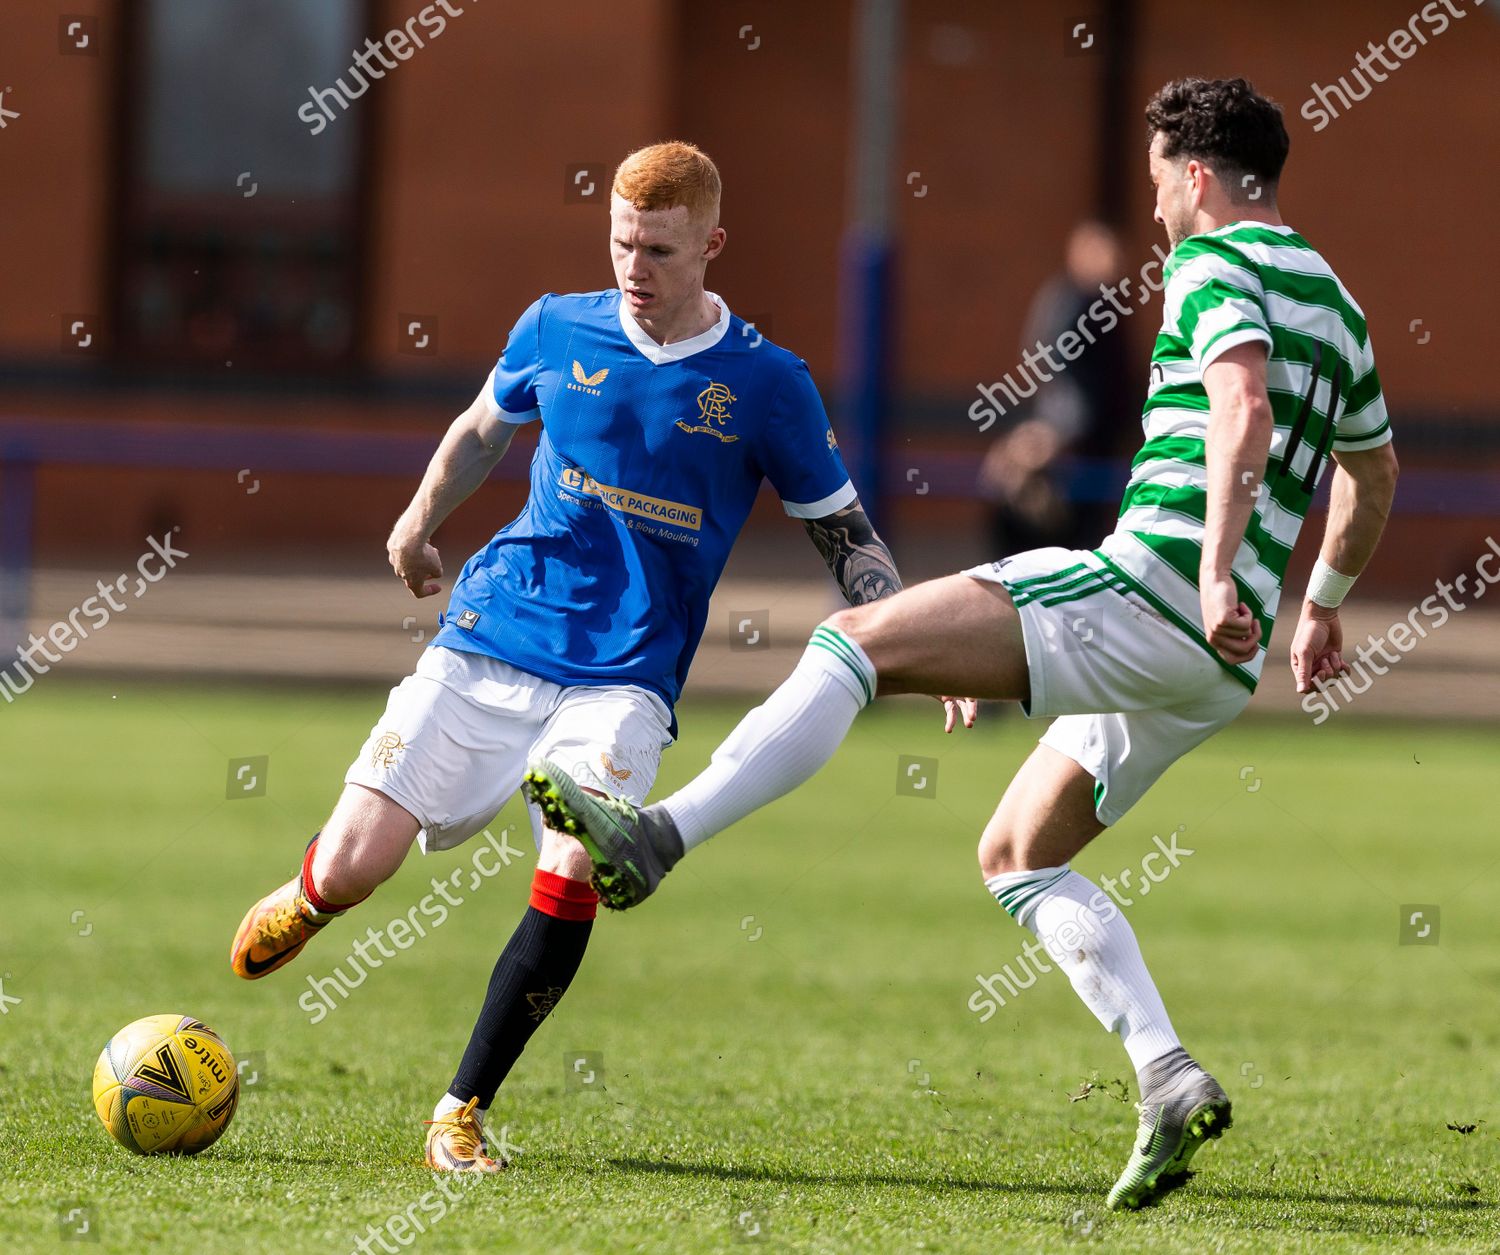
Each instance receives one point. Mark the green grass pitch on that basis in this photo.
(783, 1047)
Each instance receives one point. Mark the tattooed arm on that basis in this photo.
(858, 558)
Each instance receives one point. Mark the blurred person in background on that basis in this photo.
(1079, 413)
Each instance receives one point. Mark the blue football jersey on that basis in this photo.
(649, 459)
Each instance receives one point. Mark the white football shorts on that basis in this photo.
(1129, 694)
(453, 743)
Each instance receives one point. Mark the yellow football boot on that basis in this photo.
(456, 1143)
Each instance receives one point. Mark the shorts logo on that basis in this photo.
(385, 750)
(713, 407)
(584, 382)
(618, 774)
(468, 620)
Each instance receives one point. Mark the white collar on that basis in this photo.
(1280, 228)
(657, 354)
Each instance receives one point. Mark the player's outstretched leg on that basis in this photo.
(954, 635)
(633, 849)
(1046, 816)
(361, 845)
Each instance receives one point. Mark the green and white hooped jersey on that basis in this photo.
(1244, 282)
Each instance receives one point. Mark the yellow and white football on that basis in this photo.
(166, 1084)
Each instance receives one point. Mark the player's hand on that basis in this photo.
(1227, 622)
(416, 563)
(956, 708)
(1317, 647)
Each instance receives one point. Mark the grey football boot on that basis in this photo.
(631, 849)
(1181, 1107)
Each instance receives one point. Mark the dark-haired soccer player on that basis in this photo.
(569, 635)
(1138, 650)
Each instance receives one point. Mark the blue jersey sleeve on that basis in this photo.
(798, 452)
(514, 379)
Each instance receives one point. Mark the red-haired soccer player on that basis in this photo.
(569, 635)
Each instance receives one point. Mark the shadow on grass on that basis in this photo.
(333, 1160)
(1344, 1200)
(721, 1172)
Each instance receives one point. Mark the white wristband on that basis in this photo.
(1326, 587)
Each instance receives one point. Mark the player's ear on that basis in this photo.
(1197, 176)
(715, 244)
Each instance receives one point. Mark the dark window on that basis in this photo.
(240, 228)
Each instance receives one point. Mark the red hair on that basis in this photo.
(664, 176)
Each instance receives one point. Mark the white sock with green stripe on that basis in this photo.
(780, 743)
(1081, 928)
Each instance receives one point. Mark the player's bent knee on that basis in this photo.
(863, 625)
(1000, 851)
(852, 621)
(995, 860)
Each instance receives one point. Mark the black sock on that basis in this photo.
(533, 972)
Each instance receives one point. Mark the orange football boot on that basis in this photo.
(274, 931)
(456, 1143)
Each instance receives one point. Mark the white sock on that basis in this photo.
(1084, 933)
(448, 1104)
(780, 743)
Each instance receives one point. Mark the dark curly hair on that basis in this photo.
(1224, 123)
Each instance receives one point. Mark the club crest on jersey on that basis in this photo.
(584, 382)
(713, 408)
